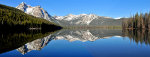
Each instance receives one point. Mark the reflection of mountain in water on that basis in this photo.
(86, 35)
(76, 35)
(12, 40)
(70, 35)
(35, 45)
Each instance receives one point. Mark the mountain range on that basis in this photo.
(36, 11)
(70, 20)
(87, 20)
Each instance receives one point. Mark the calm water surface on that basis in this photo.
(76, 43)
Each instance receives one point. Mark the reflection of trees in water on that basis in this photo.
(12, 40)
(139, 36)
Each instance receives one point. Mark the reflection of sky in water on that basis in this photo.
(113, 46)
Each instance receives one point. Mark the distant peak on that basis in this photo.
(70, 15)
(38, 6)
(23, 3)
(22, 6)
(118, 18)
(83, 14)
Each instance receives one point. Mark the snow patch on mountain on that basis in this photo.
(82, 18)
(36, 11)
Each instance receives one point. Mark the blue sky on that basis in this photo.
(110, 8)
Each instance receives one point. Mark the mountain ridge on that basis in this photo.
(71, 19)
(87, 20)
(36, 11)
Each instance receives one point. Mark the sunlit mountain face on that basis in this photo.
(36, 11)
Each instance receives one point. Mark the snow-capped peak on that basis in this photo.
(82, 18)
(70, 17)
(22, 3)
(36, 11)
(118, 18)
(22, 6)
(83, 14)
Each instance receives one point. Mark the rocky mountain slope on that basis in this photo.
(87, 20)
(70, 20)
(36, 11)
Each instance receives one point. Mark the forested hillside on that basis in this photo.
(14, 18)
(138, 21)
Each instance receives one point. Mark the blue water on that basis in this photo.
(110, 47)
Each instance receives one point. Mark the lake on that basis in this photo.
(76, 43)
